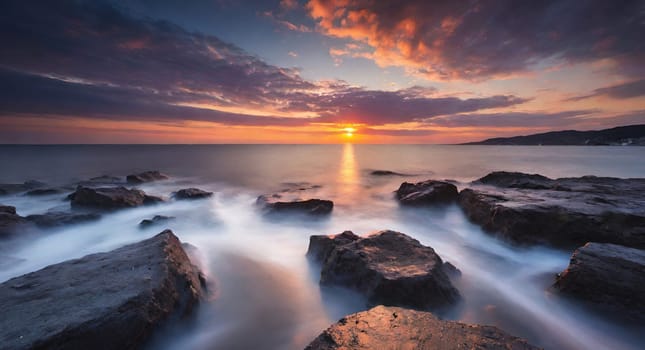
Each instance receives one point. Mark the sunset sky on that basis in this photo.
(319, 71)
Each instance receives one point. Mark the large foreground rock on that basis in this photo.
(426, 192)
(111, 300)
(610, 276)
(388, 267)
(146, 176)
(396, 328)
(111, 198)
(565, 212)
(277, 203)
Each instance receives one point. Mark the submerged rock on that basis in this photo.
(56, 218)
(45, 191)
(112, 300)
(156, 220)
(566, 212)
(146, 176)
(23, 187)
(111, 198)
(396, 328)
(426, 192)
(388, 267)
(386, 173)
(192, 193)
(608, 275)
(276, 204)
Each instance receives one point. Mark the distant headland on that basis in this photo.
(630, 135)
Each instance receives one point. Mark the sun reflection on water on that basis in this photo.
(349, 181)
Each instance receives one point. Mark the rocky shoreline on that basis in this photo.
(77, 304)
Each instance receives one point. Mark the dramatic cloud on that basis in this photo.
(476, 40)
(621, 91)
(89, 59)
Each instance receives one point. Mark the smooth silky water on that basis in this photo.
(266, 292)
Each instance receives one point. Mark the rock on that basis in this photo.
(23, 187)
(44, 191)
(395, 328)
(275, 204)
(320, 247)
(106, 179)
(112, 300)
(10, 221)
(111, 198)
(451, 270)
(102, 180)
(565, 212)
(426, 192)
(55, 219)
(192, 193)
(157, 219)
(388, 267)
(385, 173)
(517, 180)
(146, 176)
(610, 276)
(7, 209)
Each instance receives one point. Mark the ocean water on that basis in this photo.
(267, 294)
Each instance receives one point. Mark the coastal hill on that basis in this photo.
(630, 135)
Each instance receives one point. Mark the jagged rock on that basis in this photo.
(146, 176)
(388, 267)
(426, 192)
(610, 276)
(320, 246)
(112, 300)
(23, 187)
(111, 198)
(192, 193)
(276, 204)
(156, 220)
(56, 218)
(567, 212)
(396, 328)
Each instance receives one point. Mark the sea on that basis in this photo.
(266, 292)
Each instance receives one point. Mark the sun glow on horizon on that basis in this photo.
(349, 131)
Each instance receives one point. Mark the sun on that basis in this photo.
(349, 132)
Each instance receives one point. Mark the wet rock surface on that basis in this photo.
(156, 220)
(192, 193)
(146, 176)
(609, 276)
(566, 212)
(111, 198)
(426, 193)
(388, 267)
(112, 300)
(279, 203)
(397, 328)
